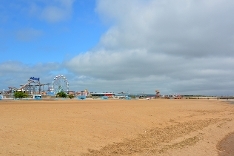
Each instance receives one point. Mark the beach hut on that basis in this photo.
(37, 97)
(128, 98)
(81, 97)
(104, 97)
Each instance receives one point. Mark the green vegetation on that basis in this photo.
(61, 94)
(71, 96)
(20, 94)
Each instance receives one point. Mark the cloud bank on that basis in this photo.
(14, 73)
(183, 47)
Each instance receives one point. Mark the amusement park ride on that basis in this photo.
(59, 84)
(157, 93)
(34, 86)
(36, 89)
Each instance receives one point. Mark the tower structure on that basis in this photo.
(157, 93)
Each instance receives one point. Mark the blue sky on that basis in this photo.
(177, 47)
(41, 39)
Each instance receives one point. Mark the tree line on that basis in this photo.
(20, 95)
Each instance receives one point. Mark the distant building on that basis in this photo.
(83, 93)
(108, 94)
(71, 92)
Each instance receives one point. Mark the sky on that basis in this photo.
(134, 46)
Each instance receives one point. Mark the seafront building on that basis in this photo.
(107, 94)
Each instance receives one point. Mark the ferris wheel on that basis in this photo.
(60, 83)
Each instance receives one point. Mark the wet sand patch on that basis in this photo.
(226, 145)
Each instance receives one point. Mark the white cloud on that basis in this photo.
(28, 34)
(175, 46)
(54, 14)
(52, 11)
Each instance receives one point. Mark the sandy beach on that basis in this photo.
(162, 127)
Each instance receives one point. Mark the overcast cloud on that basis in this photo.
(183, 47)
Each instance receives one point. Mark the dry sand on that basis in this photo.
(114, 127)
